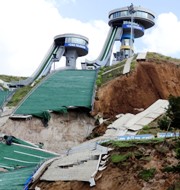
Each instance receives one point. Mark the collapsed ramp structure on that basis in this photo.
(19, 160)
(81, 163)
(69, 45)
(61, 90)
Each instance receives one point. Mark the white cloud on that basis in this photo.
(27, 29)
(164, 37)
(25, 32)
(69, 1)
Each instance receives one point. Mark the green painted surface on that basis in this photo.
(62, 89)
(21, 162)
(14, 156)
(16, 180)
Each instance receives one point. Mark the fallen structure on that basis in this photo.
(19, 160)
(80, 163)
(129, 124)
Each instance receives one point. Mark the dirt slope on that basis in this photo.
(149, 82)
(63, 131)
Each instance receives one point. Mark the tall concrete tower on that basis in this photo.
(133, 21)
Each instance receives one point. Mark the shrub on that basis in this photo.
(164, 123)
(173, 111)
(175, 169)
(178, 153)
(148, 174)
(116, 158)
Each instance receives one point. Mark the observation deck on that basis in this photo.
(73, 42)
(75, 46)
(141, 16)
(133, 21)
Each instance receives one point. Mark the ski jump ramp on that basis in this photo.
(103, 59)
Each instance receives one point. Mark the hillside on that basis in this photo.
(151, 80)
(156, 78)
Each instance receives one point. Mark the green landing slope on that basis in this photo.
(59, 91)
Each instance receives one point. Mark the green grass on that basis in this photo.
(133, 64)
(117, 158)
(119, 144)
(148, 174)
(147, 129)
(159, 57)
(112, 75)
(19, 95)
(108, 73)
(174, 169)
(7, 78)
(132, 143)
(107, 68)
(177, 153)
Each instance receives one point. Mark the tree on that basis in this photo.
(173, 111)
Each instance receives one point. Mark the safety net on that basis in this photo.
(58, 92)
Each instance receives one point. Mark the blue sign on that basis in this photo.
(163, 135)
(134, 26)
(136, 137)
(76, 45)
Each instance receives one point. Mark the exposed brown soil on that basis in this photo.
(149, 82)
(63, 131)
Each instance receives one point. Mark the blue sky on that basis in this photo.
(27, 29)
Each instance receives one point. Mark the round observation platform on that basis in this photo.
(141, 16)
(73, 42)
(75, 46)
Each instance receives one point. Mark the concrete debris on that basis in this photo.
(129, 124)
(81, 164)
(141, 57)
(127, 66)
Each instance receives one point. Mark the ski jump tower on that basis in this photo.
(133, 21)
(126, 24)
(69, 45)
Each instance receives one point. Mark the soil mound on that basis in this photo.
(138, 90)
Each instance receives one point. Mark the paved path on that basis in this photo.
(127, 66)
